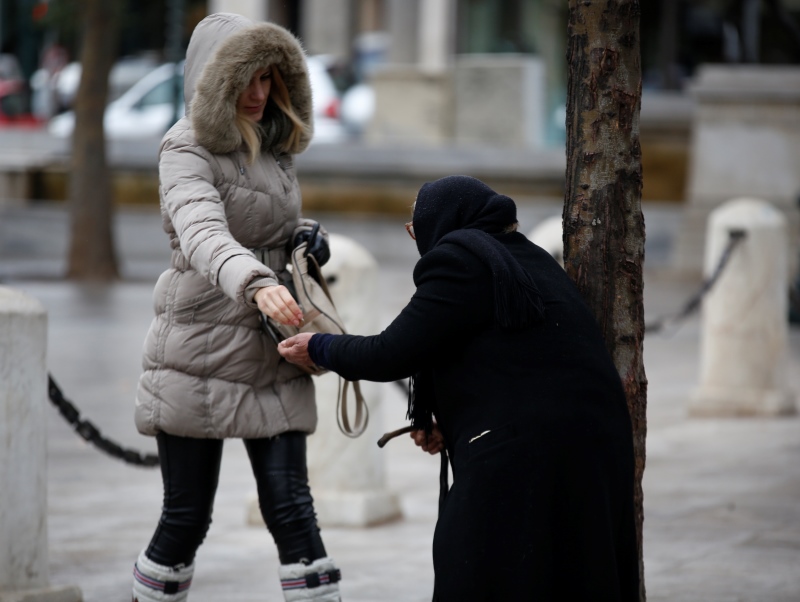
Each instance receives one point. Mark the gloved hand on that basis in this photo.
(317, 245)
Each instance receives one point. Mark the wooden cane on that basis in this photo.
(391, 435)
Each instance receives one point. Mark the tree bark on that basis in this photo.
(603, 221)
(91, 252)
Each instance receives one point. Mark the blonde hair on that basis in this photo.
(250, 136)
(280, 124)
(291, 143)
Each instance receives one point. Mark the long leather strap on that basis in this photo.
(342, 414)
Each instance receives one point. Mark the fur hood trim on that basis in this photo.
(241, 49)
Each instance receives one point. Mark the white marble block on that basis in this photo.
(412, 107)
(744, 335)
(499, 100)
(23, 452)
(347, 475)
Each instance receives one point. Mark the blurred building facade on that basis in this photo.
(721, 79)
(461, 72)
(677, 35)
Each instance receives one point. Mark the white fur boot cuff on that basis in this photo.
(156, 583)
(315, 582)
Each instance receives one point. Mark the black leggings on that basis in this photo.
(190, 470)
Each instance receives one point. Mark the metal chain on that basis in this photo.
(90, 433)
(693, 304)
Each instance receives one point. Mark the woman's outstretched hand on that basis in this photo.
(433, 443)
(295, 349)
(277, 302)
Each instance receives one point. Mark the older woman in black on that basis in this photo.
(509, 364)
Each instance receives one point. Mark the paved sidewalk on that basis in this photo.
(722, 497)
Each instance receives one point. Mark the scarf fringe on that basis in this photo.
(517, 304)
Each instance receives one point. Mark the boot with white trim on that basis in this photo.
(153, 582)
(314, 582)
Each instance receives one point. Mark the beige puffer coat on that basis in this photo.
(209, 369)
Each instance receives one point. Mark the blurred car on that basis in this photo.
(358, 107)
(14, 92)
(147, 109)
(124, 74)
(66, 85)
(328, 127)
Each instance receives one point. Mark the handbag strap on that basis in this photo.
(342, 412)
(342, 415)
(303, 262)
(318, 277)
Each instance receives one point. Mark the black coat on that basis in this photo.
(536, 425)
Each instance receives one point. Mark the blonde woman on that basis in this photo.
(231, 208)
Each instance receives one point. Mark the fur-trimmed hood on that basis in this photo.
(224, 52)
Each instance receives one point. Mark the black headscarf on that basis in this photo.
(464, 211)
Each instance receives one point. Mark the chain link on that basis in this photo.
(90, 432)
(693, 304)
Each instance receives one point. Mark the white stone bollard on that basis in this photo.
(549, 235)
(347, 475)
(24, 571)
(743, 349)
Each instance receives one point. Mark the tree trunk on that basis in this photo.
(91, 253)
(603, 222)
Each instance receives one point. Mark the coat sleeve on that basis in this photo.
(452, 302)
(193, 204)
